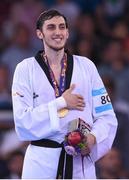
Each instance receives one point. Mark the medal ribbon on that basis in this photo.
(59, 89)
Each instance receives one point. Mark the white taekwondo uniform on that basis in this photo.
(35, 115)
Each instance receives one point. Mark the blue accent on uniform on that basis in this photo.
(97, 92)
(106, 107)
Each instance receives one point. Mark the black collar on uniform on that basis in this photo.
(69, 69)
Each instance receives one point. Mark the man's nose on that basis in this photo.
(57, 30)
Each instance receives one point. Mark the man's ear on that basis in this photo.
(67, 34)
(39, 34)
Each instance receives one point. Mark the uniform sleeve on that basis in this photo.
(105, 122)
(32, 123)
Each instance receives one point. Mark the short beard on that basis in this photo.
(56, 48)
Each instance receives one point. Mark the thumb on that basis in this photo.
(72, 87)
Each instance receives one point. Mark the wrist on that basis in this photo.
(93, 137)
(91, 140)
(61, 103)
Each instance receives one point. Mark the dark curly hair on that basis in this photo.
(46, 15)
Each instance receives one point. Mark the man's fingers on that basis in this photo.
(80, 100)
(80, 108)
(74, 101)
(79, 96)
(81, 104)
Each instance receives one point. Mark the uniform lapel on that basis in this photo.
(44, 67)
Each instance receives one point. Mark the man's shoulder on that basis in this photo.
(83, 60)
(29, 59)
(25, 63)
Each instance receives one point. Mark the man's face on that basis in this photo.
(54, 33)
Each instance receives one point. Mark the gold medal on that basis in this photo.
(63, 112)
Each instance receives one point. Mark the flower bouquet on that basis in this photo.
(75, 142)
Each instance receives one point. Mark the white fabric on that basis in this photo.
(37, 118)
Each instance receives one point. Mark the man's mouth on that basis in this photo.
(57, 39)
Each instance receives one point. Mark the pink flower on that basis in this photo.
(74, 138)
(70, 150)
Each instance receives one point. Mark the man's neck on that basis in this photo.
(54, 57)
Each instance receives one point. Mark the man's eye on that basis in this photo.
(51, 27)
(62, 27)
